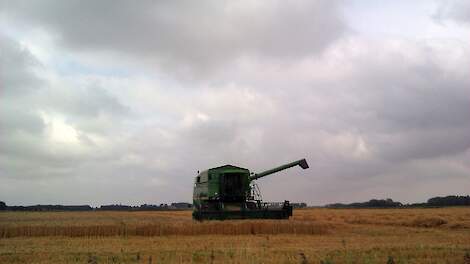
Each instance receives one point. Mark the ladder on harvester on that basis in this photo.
(256, 194)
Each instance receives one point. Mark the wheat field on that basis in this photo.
(438, 235)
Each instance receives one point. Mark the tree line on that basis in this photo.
(451, 200)
(112, 207)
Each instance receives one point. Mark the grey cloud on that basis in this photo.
(188, 36)
(457, 10)
(19, 124)
(422, 144)
(367, 116)
(16, 65)
(14, 118)
(420, 109)
(28, 151)
(90, 100)
(378, 103)
(402, 108)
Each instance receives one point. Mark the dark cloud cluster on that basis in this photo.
(187, 36)
(457, 10)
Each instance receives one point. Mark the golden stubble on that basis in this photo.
(438, 235)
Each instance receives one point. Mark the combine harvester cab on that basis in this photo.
(229, 192)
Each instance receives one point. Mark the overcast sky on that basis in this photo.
(123, 102)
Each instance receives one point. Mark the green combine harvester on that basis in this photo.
(229, 192)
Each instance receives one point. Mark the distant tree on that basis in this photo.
(374, 203)
(450, 200)
(3, 206)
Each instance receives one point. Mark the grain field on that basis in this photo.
(438, 235)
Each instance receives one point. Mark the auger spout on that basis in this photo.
(302, 163)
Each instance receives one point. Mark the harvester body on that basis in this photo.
(229, 192)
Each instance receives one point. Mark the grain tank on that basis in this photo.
(230, 192)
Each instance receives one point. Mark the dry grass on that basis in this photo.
(167, 229)
(452, 217)
(440, 235)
